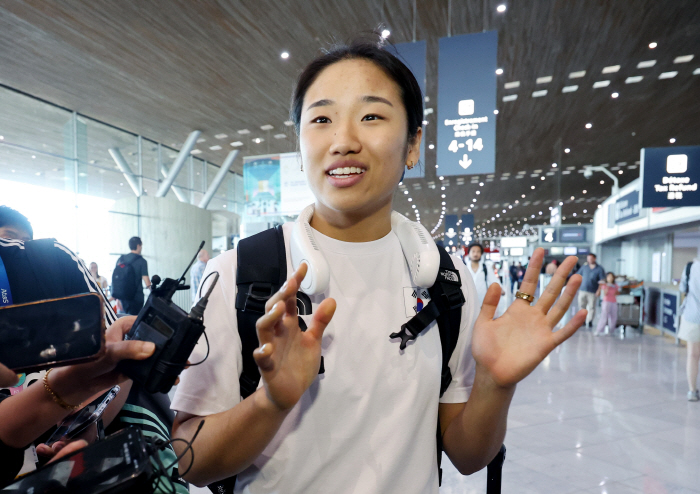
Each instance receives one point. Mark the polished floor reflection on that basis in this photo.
(600, 415)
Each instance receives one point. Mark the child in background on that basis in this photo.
(609, 310)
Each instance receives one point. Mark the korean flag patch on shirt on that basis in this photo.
(414, 299)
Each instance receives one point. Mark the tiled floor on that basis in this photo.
(600, 415)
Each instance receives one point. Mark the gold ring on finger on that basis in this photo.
(525, 296)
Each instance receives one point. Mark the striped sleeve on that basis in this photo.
(86, 280)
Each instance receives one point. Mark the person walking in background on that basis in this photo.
(130, 271)
(101, 280)
(482, 273)
(608, 313)
(689, 329)
(592, 274)
(551, 268)
(196, 273)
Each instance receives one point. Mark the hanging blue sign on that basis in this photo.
(627, 207)
(466, 102)
(413, 55)
(451, 229)
(467, 229)
(670, 176)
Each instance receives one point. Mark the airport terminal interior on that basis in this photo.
(568, 126)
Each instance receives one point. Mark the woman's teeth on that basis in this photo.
(348, 170)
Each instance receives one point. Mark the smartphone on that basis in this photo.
(52, 333)
(77, 422)
(117, 464)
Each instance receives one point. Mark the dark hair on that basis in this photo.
(10, 217)
(609, 273)
(364, 49)
(592, 254)
(134, 242)
(475, 244)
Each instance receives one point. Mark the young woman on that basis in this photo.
(367, 425)
(608, 313)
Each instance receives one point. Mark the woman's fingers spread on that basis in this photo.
(490, 304)
(553, 290)
(265, 326)
(532, 274)
(321, 317)
(263, 357)
(564, 302)
(565, 333)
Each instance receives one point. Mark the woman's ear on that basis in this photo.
(414, 147)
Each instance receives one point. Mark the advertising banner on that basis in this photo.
(670, 176)
(274, 185)
(466, 142)
(467, 228)
(451, 229)
(413, 55)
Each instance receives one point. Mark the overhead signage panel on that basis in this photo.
(670, 176)
(451, 229)
(467, 228)
(466, 134)
(413, 55)
(574, 234)
(514, 242)
(627, 207)
(549, 235)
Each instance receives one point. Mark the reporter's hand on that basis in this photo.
(84, 380)
(510, 347)
(289, 358)
(7, 377)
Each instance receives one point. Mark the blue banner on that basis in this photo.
(466, 102)
(670, 177)
(451, 230)
(467, 229)
(413, 55)
(5, 292)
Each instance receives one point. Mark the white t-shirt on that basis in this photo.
(481, 282)
(368, 424)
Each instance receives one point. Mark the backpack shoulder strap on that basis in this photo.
(687, 276)
(42, 259)
(486, 274)
(261, 271)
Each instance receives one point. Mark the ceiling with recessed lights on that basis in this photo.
(163, 69)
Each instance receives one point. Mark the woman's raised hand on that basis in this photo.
(288, 358)
(510, 347)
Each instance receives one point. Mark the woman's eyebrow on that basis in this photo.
(376, 99)
(321, 102)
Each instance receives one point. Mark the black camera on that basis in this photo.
(174, 332)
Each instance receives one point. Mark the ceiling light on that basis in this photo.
(532, 187)
(405, 192)
(589, 125)
(386, 33)
(653, 45)
(266, 127)
(523, 196)
(577, 74)
(634, 79)
(585, 192)
(244, 132)
(425, 122)
(683, 59)
(501, 8)
(672, 140)
(541, 178)
(288, 123)
(511, 85)
(215, 148)
(236, 144)
(696, 71)
(196, 151)
(478, 192)
(442, 178)
(201, 140)
(539, 94)
(220, 136)
(668, 75)
(598, 84)
(431, 146)
(619, 172)
(646, 64)
(258, 140)
(284, 55)
(602, 182)
(611, 69)
(554, 165)
(495, 112)
(443, 196)
(615, 95)
(280, 136)
(544, 80)
(510, 97)
(499, 71)
(567, 150)
(569, 89)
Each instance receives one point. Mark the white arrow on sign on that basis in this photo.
(465, 162)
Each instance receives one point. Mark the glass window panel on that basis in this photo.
(100, 138)
(149, 160)
(107, 182)
(28, 122)
(22, 165)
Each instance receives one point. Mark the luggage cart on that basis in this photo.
(629, 313)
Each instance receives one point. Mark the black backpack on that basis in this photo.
(262, 270)
(124, 279)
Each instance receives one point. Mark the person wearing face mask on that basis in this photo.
(368, 423)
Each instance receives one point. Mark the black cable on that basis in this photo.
(206, 338)
(189, 447)
(204, 281)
